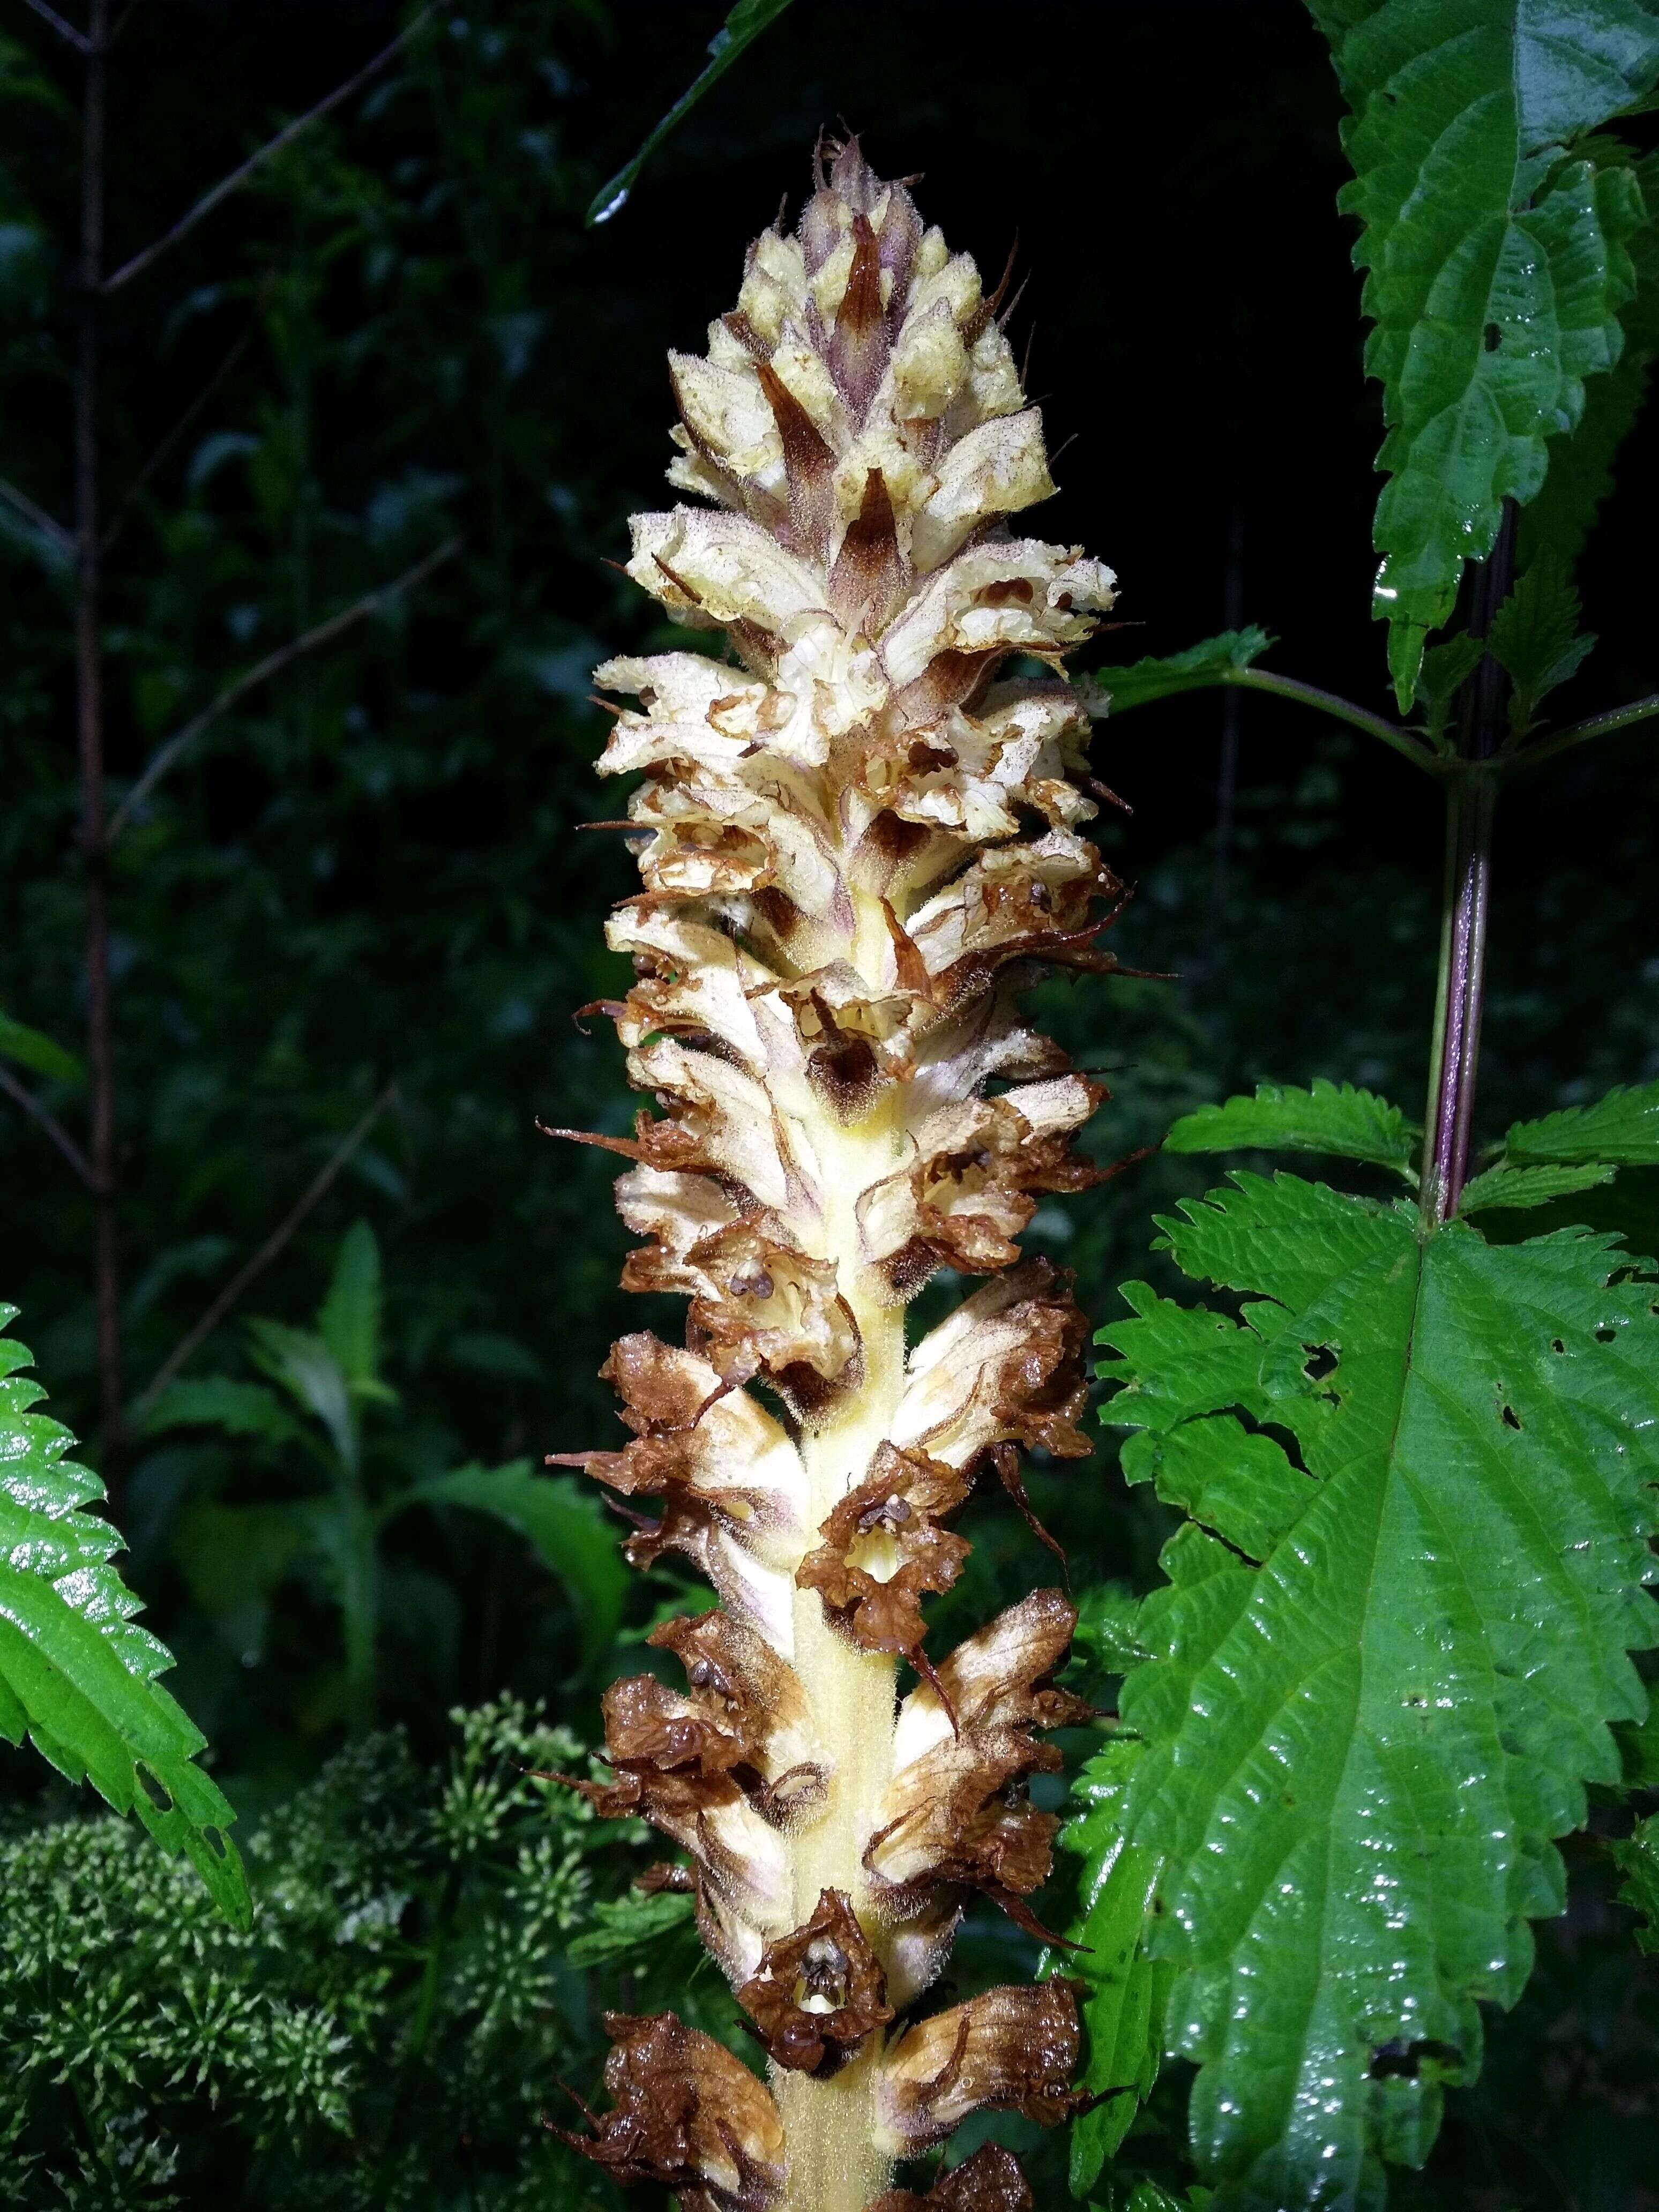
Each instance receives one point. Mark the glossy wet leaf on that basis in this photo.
(1581, 459)
(1123, 1992)
(1623, 1128)
(1528, 1186)
(77, 1675)
(1496, 263)
(1421, 1473)
(1337, 1119)
(1637, 1859)
(739, 31)
(1196, 669)
(566, 1526)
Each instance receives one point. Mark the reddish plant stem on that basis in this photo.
(89, 732)
(1471, 798)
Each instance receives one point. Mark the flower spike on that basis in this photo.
(860, 813)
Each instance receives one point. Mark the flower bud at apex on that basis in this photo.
(862, 831)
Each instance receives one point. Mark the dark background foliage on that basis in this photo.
(372, 869)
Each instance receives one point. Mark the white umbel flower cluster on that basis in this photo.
(862, 836)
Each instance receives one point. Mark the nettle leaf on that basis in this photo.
(1116, 690)
(241, 1409)
(1347, 1123)
(1637, 1859)
(1518, 1187)
(34, 1049)
(566, 1526)
(1497, 263)
(348, 1319)
(1420, 1475)
(1581, 459)
(1623, 1128)
(76, 1674)
(1536, 637)
(1123, 1991)
(1446, 668)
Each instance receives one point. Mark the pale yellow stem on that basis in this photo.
(834, 2166)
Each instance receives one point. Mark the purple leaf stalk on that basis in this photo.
(862, 834)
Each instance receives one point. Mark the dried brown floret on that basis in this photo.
(883, 1548)
(734, 1675)
(687, 2115)
(957, 1809)
(819, 1991)
(1008, 1366)
(1010, 2050)
(989, 2181)
(648, 1724)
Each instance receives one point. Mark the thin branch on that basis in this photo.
(78, 39)
(62, 539)
(191, 415)
(1578, 733)
(285, 137)
(267, 1252)
(1344, 710)
(166, 756)
(50, 1122)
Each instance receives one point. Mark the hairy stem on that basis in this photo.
(1471, 798)
(833, 2166)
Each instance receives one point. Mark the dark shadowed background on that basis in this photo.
(371, 870)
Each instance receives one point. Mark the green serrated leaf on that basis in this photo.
(32, 1049)
(566, 1525)
(1637, 1860)
(1445, 669)
(632, 1922)
(1117, 689)
(739, 31)
(312, 1376)
(1639, 1749)
(1623, 1129)
(1497, 266)
(1358, 1752)
(348, 1319)
(78, 1675)
(1107, 1636)
(1123, 1991)
(241, 1409)
(1348, 1124)
(1581, 459)
(1536, 637)
(1518, 1187)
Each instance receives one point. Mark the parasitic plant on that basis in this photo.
(863, 835)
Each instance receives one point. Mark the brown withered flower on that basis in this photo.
(686, 2114)
(863, 832)
(989, 2181)
(818, 1991)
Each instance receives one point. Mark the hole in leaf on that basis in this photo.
(1605, 1335)
(1491, 338)
(1556, 1345)
(1507, 1415)
(1405, 2060)
(215, 1841)
(1320, 1362)
(153, 1787)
